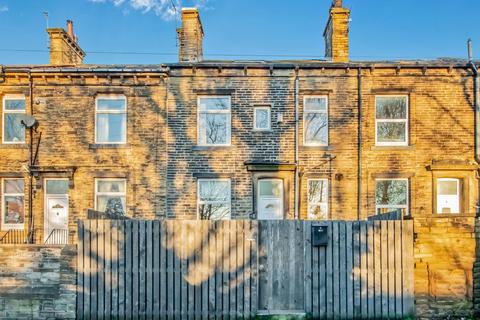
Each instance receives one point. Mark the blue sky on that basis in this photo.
(380, 29)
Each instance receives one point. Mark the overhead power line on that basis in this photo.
(257, 55)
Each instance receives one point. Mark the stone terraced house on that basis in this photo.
(328, 138)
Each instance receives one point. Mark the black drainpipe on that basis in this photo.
(359, 147)
(475, 109)
(475, 101)
(30, 182)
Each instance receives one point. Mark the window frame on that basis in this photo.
(406, 206)
(459, 194)
(229, 121)
(10, 226)
(124, 111)
(406, 121)
(5, 111)
(200, 202)
(305, 112)
(269, 110)
(110, 193)
(327, 200)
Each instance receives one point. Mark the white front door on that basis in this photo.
(56, 211)
(270, 199)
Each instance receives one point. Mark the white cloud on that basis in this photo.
(166, 9)
(3, 8)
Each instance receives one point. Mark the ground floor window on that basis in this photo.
(110, 196)
(391, 195)
(448, 195)
(317, 192)
(13, 208)
(214, 199)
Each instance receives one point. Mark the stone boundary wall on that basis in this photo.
(444, 255)
(37, 282)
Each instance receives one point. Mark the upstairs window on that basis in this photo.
(317, 191)
(448, 195)
(111, 119)
(261, 118)
(391, 120)
(214, 121)
(13, 209)
(391, 195)
(110, 196)
(214, 199)
(315, 120)
(13, 130)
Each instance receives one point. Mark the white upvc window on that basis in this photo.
(13, 203)
(214, 120)
(13, 131)
(391, 120)
(214, 199)
(110, 196)
(317, 192)
(262, 118)
(391, 195)
(315, 120)
(448, 195)
(111, 119)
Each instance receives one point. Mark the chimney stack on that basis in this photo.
(64, 49)
(336, 33)
(190, 36)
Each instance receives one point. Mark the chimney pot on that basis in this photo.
(70, 29)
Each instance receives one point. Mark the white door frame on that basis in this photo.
(45, 205)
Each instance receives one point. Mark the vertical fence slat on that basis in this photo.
(370, 270)
(336, 268)
(141, 269)
(80, 268)
(171, 292)
(156, 269)
(407, 249)
(356, 270)
(121, 268)
(247, 254)
(163, 266)
(378, 268)
(391, 268)
(107, 230)
(87, 272)
(212, 259)
(149, 276)
(398, 268)
(384, 257)
(363, 269)
(311, 273)
(349, 268)
(329, 272)
(129, 260)
(343, 267)
(115, 256)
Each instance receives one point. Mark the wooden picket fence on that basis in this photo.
(177, 269)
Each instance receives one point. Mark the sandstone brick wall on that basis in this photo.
(65, 109)
(37, 282)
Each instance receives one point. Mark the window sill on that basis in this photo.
(210, 148)
(14, 146)
(108, 146)
(383, 148)
(321, 148)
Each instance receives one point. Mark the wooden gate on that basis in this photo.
(280, 263)
(198, 269)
